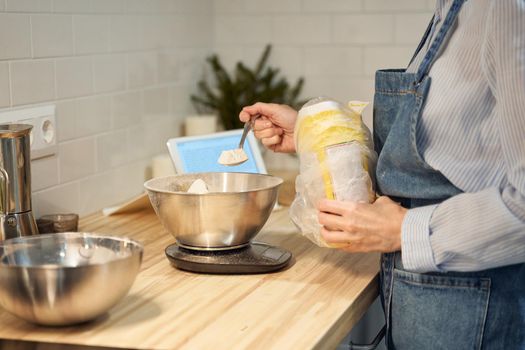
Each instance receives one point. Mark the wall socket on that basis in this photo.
(44, 133)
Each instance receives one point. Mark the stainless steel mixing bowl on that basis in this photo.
(234, 211)
(66, 278)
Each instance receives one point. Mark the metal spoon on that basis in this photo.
(237, 156)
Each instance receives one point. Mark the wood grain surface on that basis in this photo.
(311, 304)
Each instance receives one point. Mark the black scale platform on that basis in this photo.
(254, 258)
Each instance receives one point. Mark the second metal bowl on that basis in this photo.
(66, 278)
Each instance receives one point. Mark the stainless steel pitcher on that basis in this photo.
(16, 216)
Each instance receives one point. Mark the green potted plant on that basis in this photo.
(227, 94)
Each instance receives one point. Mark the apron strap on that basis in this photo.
(434, 49)
(423, 40)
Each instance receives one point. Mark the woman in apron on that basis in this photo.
(451, 218)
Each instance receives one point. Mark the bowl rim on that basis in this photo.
(149, 188)
(137, 245)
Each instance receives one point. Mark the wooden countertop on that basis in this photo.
(312, 304)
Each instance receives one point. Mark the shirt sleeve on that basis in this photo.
(485, 229)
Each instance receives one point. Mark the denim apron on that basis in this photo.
(452, 310)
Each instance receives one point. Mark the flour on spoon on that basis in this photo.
(233, 157)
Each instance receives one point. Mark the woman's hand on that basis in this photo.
(275, 126)
(362, 227)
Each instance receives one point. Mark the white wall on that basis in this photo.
(120, 73)
(337, 45)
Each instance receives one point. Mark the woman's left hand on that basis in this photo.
(362, 227)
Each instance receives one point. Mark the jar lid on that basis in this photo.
(8, 131)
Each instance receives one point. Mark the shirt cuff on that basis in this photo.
(416, 250)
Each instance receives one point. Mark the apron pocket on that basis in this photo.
(438, 311)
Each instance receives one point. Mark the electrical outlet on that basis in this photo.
(43, 135)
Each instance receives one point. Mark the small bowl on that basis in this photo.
(66, 278)
(228, 217)
(62, 222)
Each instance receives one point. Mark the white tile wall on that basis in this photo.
(121, 72)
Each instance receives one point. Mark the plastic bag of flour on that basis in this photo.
(337, 160)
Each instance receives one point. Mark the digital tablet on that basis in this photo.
(197, 154)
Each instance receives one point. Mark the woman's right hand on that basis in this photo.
(275, 126)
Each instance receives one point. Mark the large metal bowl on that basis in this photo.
(228, 217)
(66, 278)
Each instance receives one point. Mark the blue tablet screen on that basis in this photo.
(201, 155)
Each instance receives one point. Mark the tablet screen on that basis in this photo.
(197, 154)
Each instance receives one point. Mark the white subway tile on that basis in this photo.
(156, 104)
(93, 115)
(126, 109)
(72, 6)
(180, 99)
(2, 6)
(194, 6)
(317, 86)
(302, 29)
(15, 36)
(193, 62)
(66, 114)
(382, 57)
(44, 173)
(228, 6)
(109, 73)
(288, 59)
(74, 77)
(410, 27)
(272, 6)
(96, 193)
(111, 187)
(5, 99)
(142, 6)
(108, 6)
(29, 5)
(431, 5)
(141, 69)
(112, 150)
(397, 5)
(91, 34)
(32, 81)
(139, 147)
(125, 33)
(168, 66)
(192, 30)
(166, 6)
(83, 117)
(333, 61)
(333, 6)
(76, 159)
(242, 29)
(363, 29)
(52, 35)
(158, 31)
(61, 199)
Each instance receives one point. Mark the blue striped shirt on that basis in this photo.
(472, 130)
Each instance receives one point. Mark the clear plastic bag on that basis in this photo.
(337, 160)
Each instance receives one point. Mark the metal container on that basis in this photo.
(66, 278)
(16, 216)
(229, 217)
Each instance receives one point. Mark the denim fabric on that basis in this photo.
(453, 310)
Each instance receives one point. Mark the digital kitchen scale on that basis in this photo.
(252, 259)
